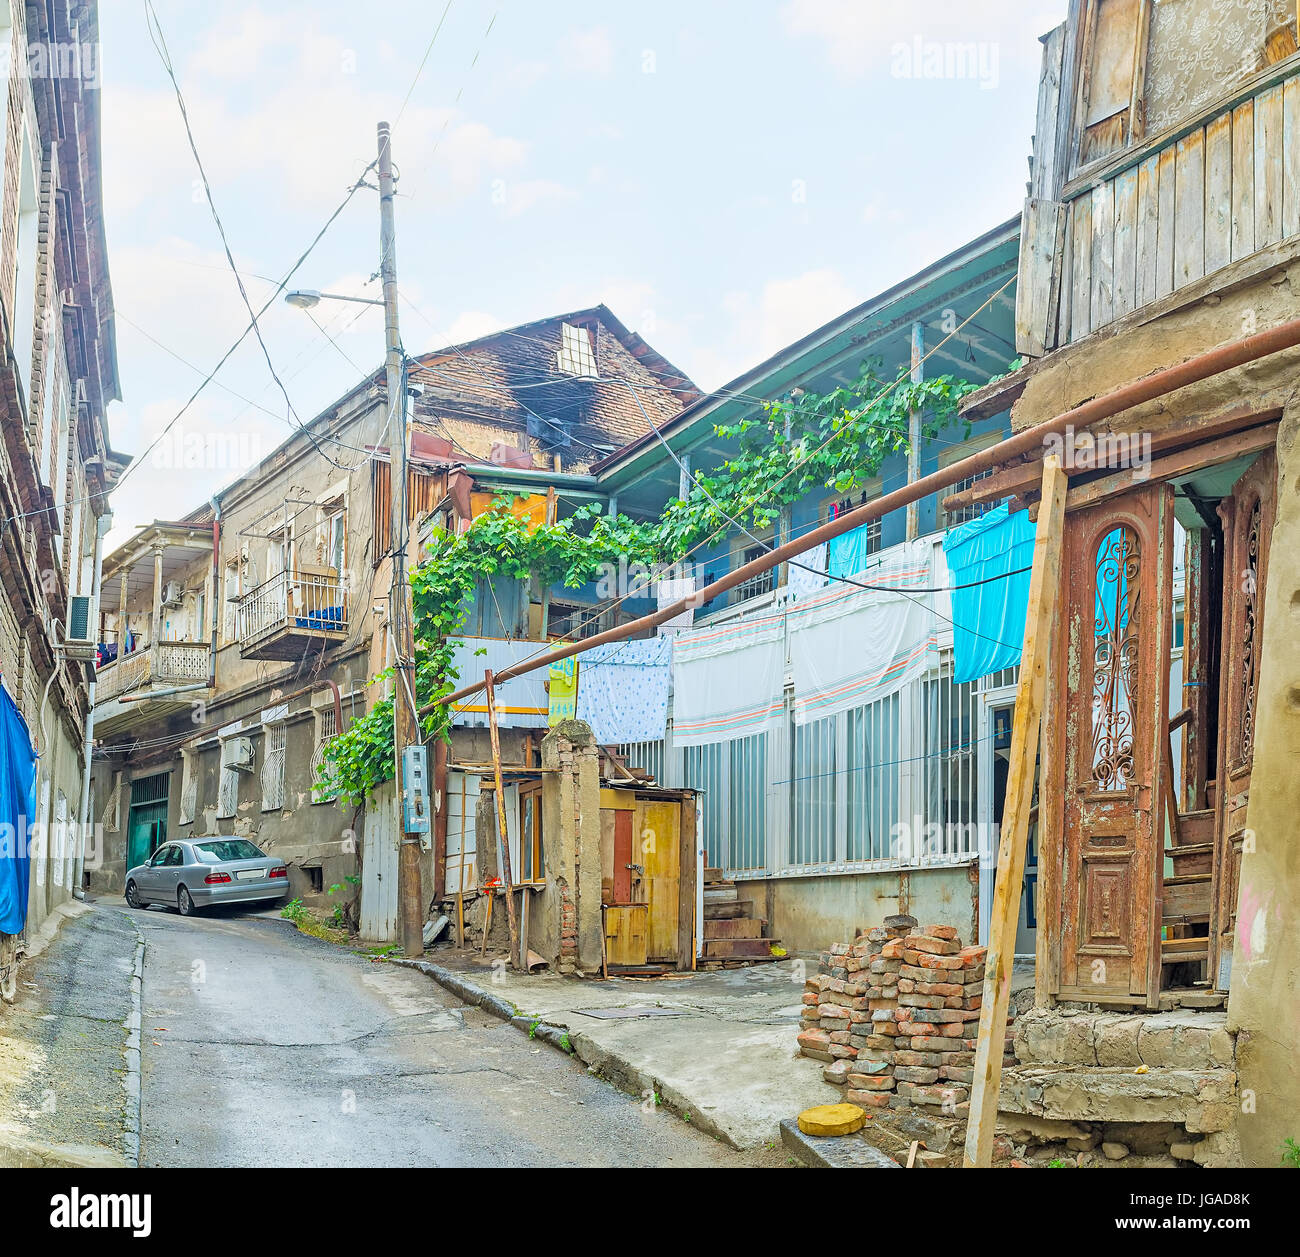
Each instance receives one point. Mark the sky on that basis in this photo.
(725, 175)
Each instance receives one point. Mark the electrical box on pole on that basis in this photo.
(417, 813)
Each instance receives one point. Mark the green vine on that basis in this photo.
(806, 442)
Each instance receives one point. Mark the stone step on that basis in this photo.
(714, 875)
(721, 894)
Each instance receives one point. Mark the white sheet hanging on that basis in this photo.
(851, 646)
(727, 680)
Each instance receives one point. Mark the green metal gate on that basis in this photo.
(147, 825)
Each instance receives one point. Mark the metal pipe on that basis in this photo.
(1200, 367)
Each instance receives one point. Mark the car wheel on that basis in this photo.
(184, 904)
(132, 896)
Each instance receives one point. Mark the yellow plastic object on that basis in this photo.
(832, 1119)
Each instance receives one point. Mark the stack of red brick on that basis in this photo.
(895, 1016)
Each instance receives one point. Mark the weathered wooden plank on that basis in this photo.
(1189, 209)
(1044, 581)
(1045, 178)
(1290, 157)
(1063, 304)
(1081, 269)
(1042, 229)
(1166, 226)
(1148, 218)
(1268, 167)
(1218, 193)
(1126, 209)
(1243, 180)
(1103, 255)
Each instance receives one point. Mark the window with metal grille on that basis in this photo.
(189, 787)
(963, 514)
(872, 530)
(228, 789)
(273, 768)
(326, 731)
(758, 585)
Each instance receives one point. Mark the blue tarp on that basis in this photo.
(989, 617)
(848, 554)
(17, 808)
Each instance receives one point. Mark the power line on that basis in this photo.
(160, 46)
(420, 68)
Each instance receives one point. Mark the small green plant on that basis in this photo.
(1291, 1154)
(294, 911)
(532, 1029)
(565, 1044)
(1060, 1163)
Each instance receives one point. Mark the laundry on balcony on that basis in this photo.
(988, 561)
(623, 690)
(850, 646)
(728, 679)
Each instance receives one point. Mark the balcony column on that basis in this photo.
(157, 608)
(914, 429)
(121, 614)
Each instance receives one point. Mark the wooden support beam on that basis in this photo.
(1044, 580)
(503, 830)
(1196, 458)
(1023, 475)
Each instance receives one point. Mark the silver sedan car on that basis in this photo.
(193, 873)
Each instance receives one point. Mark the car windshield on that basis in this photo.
(227, 849)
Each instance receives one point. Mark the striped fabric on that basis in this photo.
(850, 646)
(727, 680)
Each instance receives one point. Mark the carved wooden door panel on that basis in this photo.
(1112, 701)
(1247, 515)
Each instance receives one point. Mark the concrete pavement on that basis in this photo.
(67, 1096)
(264, 1047)
(728, 1059)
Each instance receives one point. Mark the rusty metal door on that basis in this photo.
(1112, 699)
(1247, 514)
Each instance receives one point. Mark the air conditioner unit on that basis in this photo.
(239, 754)
(173, 594)
(79, 642)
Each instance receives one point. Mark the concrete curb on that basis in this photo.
(131, 1079)
(556, 1036)
(840, 1152)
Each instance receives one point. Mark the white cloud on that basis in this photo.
(589, 52)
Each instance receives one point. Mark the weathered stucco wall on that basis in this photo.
(1263, 1004)
(807, 914)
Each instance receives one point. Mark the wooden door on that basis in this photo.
(1112, 703)
(658, 823)
(1247, 514)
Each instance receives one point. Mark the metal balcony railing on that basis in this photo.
(297, 601)
(175, 663)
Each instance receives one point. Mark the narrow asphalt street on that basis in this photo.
(262, 1047)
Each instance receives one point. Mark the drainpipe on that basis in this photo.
(103, 524)
(216, 578)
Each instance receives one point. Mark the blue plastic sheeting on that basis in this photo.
(989, 614)
(17, 805)
(847, 554)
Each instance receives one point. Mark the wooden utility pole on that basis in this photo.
(503, 830)
(406, 727)
(1043, 583)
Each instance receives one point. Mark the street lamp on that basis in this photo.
(309, 298)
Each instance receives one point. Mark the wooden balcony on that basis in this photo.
(139, 676)
(292, 614)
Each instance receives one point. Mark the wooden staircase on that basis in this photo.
(732, 933)
(1187, 891)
